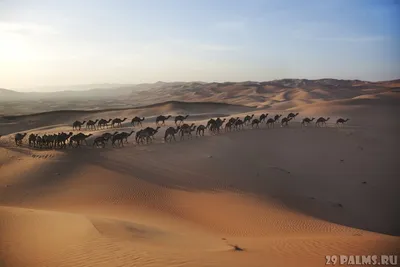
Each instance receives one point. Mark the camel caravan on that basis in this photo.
(147, 135)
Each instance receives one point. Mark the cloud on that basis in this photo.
(26, 28)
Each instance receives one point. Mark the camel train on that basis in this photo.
(146, 136)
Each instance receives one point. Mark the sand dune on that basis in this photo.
(288, 196)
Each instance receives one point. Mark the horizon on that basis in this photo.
(88, 87)
(70, 43)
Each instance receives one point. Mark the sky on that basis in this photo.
(68, 42)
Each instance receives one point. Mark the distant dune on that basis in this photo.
(285, 93)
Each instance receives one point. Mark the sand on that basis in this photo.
(286, 196)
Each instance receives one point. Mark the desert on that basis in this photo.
(200, 174)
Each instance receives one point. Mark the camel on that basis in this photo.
(147, 134)
(210, 122)
(216, 122)
(239, 124)
(100, 141)
(39, 141)
(103, 123)
(32, 139)
(247, 119)
(61, 139)
(77, 125)
(219, 121)
(78, 138)
(137, 121)
(18, 138)
(200, 130)
(91, 124)
(292, 115)
(48, 140)
(320, 121)
(180, 118)
(170, 133)
(35, 140)
(147, 129)
(118, 122)
(255, 122)
(107, 136)
(306, 121)
(277, 117)
(103, 139)
(228, 126)
(230, 123)
(187, 129)
(120, 137)
(285, 121)
(125, 136)
(162, 119)
(263, 117)
(271, 122)
(215, 126)
(341, 121)
(233, 120)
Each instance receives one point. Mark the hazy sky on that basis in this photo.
(94, 41)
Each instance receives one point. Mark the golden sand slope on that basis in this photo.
(287, 196)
